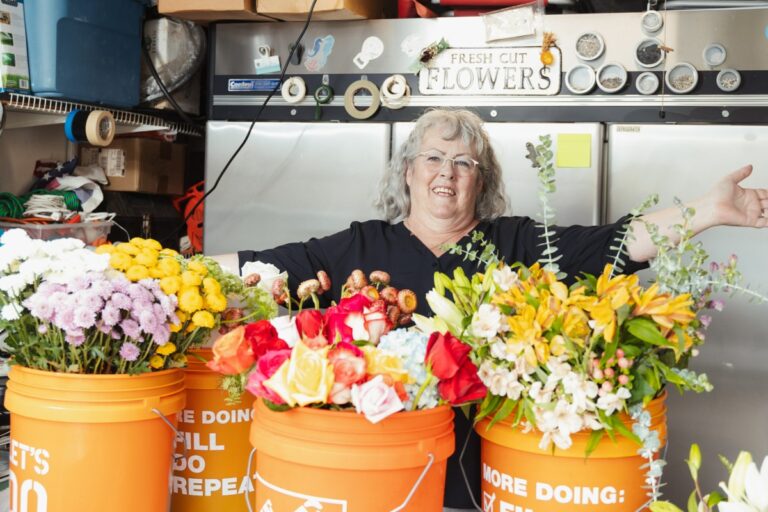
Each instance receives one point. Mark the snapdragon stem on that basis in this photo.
(423, 388)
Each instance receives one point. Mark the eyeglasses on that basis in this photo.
(435, 161)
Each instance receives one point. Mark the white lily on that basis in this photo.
(446, 310)
(747, 487)
(428, 325)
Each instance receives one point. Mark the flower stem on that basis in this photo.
(423, 388)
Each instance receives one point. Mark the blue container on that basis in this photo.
(85, 50)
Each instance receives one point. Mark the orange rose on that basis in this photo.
(232, 354)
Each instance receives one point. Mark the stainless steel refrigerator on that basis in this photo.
(684, 161)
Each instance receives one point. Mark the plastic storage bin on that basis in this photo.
(92, 233)
(86, 50)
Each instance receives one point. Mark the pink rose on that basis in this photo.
(266, 366)
(377, 324)
(376, 400)
(341, 394)
(348, 364)
(355, 303)
(335, 327)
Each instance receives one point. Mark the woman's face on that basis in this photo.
(447, 192)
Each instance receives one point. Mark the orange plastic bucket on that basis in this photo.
(212, 473)
(91, 442)
(517, 476)
(337, 461)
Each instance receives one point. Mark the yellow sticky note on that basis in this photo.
(574, 150)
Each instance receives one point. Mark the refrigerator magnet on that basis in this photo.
(317, 57)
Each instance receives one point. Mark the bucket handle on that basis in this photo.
(464, 471)
(176, 433)
(417, 483)
(248, 474)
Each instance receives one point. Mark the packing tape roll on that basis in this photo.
(100, 128)
(395, 92)
(349, 99)
(74, 126)
(294, 83)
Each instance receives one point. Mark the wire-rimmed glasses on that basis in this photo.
(435, 161)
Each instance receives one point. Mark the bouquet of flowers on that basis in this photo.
(348, 357)
(746, 490)
(126, 308)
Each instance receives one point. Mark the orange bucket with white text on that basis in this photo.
(211, 474)
(91, 442)
(338, 461)
(518, 475)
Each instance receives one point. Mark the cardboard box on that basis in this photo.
(325, 10)
(211, 10)
(140, 165)
(14, 67)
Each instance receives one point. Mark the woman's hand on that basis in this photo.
(727, 203)
(733, 205)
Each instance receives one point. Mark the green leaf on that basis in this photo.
(622, 429)
(714, 498)
(646, 330)
(490, 403)
(504, 411)
(692, 505)
(664, 506)
(594, 439)
(694, 461)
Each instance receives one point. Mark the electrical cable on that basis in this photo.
(294, 47)
(167, 94)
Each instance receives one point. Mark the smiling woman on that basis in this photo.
(442, 184)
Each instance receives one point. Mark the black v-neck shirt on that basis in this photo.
(378, 245)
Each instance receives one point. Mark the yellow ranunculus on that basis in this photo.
(157, 361)
(128, 249)
(190, 300)
(215, 302)
(305, 378)
(151, 243)
(175, 327)
(169, 266)
(156, 273)
(211, 285)
(203, 319)
(137, 273)
(147, 257)
(137, 242)
(198, 267)
(167, 349)
(191, 278)
(179, 360)
(168, 253)
(120, 260)
(105, 249)
(170, 284)
(378, 362)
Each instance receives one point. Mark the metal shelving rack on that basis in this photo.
(39, 111)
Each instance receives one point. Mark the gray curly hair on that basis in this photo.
(394, 199)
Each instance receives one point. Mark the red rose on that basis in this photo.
(446, 354)
(266, 367)
(262, 336)
(310, 324)
(355, 303)
(465, 386)
(335, 328)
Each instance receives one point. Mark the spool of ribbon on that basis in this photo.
(294, 89)
(395, 92)
(349, 99)
(323, 95)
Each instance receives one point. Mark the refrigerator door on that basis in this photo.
(290, 182)
(578, 151)
(685, 161)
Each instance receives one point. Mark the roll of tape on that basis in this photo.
(349, 99)
(294, 89)
(100, 128)
(74, 126)
(395, 92)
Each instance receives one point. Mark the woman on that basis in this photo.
(444, 183)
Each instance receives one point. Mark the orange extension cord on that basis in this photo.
(195, 222)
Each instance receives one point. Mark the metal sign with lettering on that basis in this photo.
(491, 72)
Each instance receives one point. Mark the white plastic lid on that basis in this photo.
(580, 79)
(589, 46)
(611, 77)
(647, 83)
(714, 54)
(651, 22)
(648, 53)
(682, 78)
(728, 80)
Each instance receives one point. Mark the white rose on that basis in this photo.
(376, 400)
(286, 329)
(266, 271)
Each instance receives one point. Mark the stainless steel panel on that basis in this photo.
(577, 200)
(741, 32)
(684, 161)
(290, 182)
